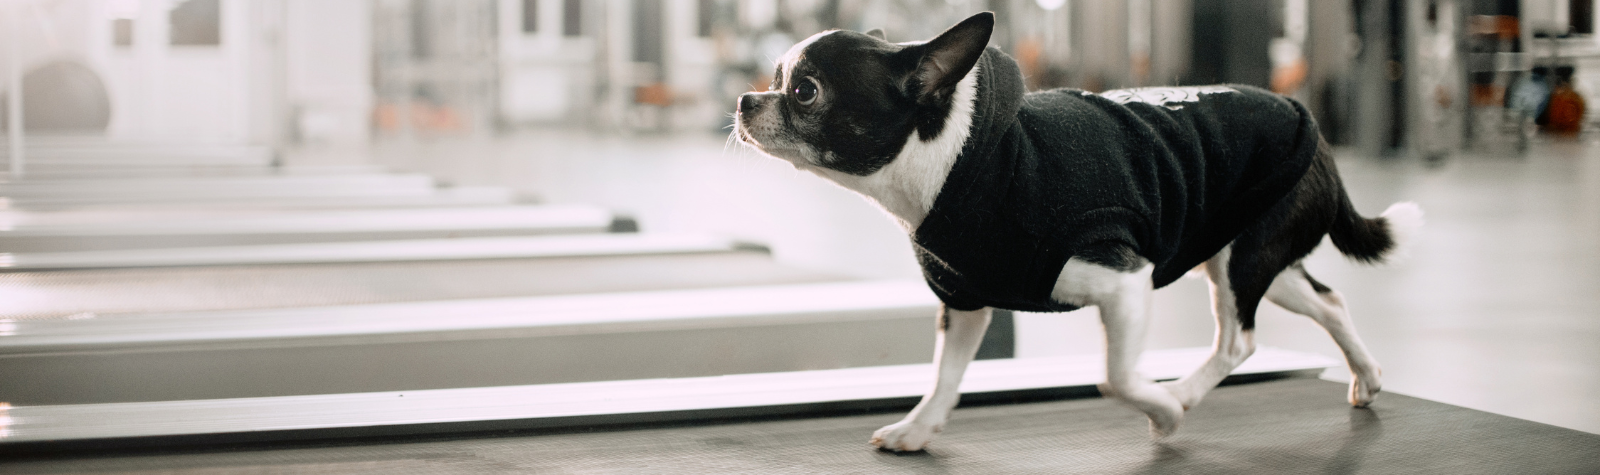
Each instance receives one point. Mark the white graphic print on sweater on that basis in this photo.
(1162, 96)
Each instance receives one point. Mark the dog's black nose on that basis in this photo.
(747, 103)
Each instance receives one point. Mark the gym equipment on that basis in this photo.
(139, 231)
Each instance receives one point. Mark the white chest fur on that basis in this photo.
(907, 186)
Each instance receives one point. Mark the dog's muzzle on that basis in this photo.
(749, 103)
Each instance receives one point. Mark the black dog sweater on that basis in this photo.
(1173, 173)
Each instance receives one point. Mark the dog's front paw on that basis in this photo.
(1364, 389)
(1164, 425)
(1155, 401)
(1165, 414)
(905, 436)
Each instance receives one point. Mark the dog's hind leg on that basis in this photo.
(1295, 290)
(959, 334)
(1233, 342)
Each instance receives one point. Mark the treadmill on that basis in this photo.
(289, 325)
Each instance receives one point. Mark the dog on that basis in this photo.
(1061, 199)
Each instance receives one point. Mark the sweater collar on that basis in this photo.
(1000, 91)
(999, 98)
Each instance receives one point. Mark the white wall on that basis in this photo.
(546, 77)
(1101, 41)
(692, 67)
(328, 70)
(174, 93)
(1547, 14)
(1171, 46)
(284, 68)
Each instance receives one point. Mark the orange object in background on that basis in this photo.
(1505, 27)
(1288, 79)
(1564, 115)
(1488, 95)
(655, 94)
(1565, 111)
(1030, 55)
(424, 117)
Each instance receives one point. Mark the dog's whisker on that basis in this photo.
(728, 143)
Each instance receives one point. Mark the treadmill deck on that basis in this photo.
(1284, 426)
(105, 292)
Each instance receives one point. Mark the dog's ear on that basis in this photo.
(877, 33)
(947, 58)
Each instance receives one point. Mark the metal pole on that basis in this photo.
(14, 79)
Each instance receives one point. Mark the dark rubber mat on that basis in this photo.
(1285, 426)
(105, 292)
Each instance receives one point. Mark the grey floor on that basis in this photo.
(1287, 426)
(1498, 308)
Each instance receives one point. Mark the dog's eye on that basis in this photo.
(806, 91)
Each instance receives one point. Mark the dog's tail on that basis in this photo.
(1376, 240)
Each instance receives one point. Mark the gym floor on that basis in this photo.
(1495, 309)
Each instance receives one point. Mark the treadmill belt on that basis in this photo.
(1283, 426)
(103, 292)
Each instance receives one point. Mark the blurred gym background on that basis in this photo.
(1418, 77)
(391, 172)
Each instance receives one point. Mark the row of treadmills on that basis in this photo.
(164, 294)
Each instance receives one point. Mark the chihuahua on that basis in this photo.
(1055, 200)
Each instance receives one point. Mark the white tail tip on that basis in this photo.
(1405, 223)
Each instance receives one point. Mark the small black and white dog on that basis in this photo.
(1056, 200)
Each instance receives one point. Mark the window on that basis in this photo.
(647, 34)
(122, 13)
(196, 23)
(122, 32)
(572, 17)
(530, 16)
(1581, 13)
(706, 11)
